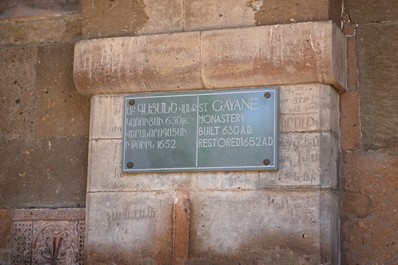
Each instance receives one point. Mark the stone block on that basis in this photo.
(377, 64)
(17, 93)
(368, 210)
(132, 17)
(27, 31)
(48, 172)
(133, 64)
(350, 121)
(272, 55)
(306, 159)
(277, 12)
(218, 14)
(163, 17)
(60, 109)
(365, 11)
(262, 227)
(313, 52)
(6, 216)
(130, 228)
(312, 107)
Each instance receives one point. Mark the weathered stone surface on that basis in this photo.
(103, 18)
(377, 62)
(130, 228)
(50, 172)
(308, 159)
(279, 12)
(271, 55)
(133, 64)
(163, 17)
(262, 227)
(60, 109)
(210, 14)
(363, 11)
(27, 31)
(182, 212)
(23, 8)
(369, 224)
(6, 216)
(311, 107)
(17, 93)
(350, 137)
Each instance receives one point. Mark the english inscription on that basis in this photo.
(208, 131)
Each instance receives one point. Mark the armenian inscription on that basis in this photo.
(206, 131)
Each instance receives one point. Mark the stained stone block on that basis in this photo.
(306, 159)
(17, 93)
(312, 52)
(27, 31)
(130, 228)
(262, 227)
(34, 175)
(60, 109)
(312, 107)
(210, 14)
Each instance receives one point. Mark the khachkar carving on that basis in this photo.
(49, 237)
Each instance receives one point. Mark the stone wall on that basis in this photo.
(44, 121)
(370, 141)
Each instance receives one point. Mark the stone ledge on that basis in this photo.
(310, 52)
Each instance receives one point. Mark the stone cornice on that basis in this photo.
(299, 53)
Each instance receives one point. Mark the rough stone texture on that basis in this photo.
(130, 228)
(270, 55)
(28, 31)
(377, 62)
(280, 12)
(350, 121)
(216, 14)
(261, 227)
(29, 8)
(48, 172)
(17, 93)
(103, 18)
(369, 211)
(5, 235)
(308, 159)
(142, 63)
(362, 11)
(181, 216)
(61, 110)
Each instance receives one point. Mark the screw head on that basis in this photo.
(266, 162)
(267, 95)
(131, 102)
(130, 165)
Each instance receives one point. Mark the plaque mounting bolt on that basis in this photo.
(267, 95)
(266, 162)
(131, 102)
(130, 165)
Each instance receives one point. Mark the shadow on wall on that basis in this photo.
(33, 8)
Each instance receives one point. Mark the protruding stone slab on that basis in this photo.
(130, 228)
(262, 227)
(311, 52)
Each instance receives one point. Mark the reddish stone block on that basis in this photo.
(5, 227)
(350, 121)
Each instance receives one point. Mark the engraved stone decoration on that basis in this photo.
(46, 236)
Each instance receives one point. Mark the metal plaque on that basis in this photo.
(202, 131)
